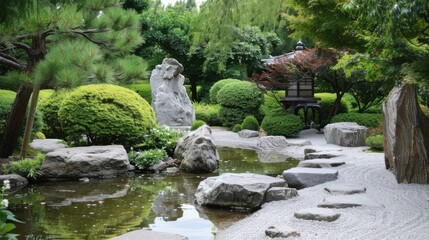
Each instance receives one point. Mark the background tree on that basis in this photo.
(106, 26)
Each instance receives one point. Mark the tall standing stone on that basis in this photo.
(406, 136)
(169, 98)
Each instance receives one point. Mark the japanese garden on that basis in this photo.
(214, 119)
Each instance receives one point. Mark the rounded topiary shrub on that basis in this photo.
(236, 128)
(196, 124)
(371, 120)
(105, 114)
(238, 100)
(250, 123)
(217, 86)
(287, 125)
(49, 108)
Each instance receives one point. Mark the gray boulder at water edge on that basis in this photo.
(245, 190)
(93, 161)
(169, 98)
(346, 134)
(196, 151)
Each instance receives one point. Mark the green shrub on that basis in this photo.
(271, 105)
(50, 107)
(160, 137)
(142, 88)
(250, 123)
(375, 142)
(148, 158)
(196, 124)
(236, 128)
(207, 113)
(288, 125)
(39, 135)
(327, 101)
(106, 114)
(238, 100)
(371, 120)
(28, 168)
(214, 90)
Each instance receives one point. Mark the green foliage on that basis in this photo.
(196, 124)
(238, 100)
(207, 113)
(371, 120)
(271, 104)
(214, 90)
(251, 123)
(145, 159)
(39, 135)
(327, 101)
(6, 216)
(142, 88)
(28, 167)
(160, 137)
(49, 108)
(236, 128)
(375, 142)
(288, 125)
(106, 114)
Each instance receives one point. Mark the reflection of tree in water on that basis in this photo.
(167, 204)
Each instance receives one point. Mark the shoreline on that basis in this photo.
(404, 215)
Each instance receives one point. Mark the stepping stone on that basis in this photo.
(300, 177)
(345, 189)
(318, 214)
(346, 201)
(323, 154)
(280, 193)
(281, 232)
(321, 149)
(248, 133)
(298, 143)
(320, 163)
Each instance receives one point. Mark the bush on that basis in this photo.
(271, 105)
(207, 113)
(217, 86)
(148, 158)
(250, 123)
(161, 137)
(288, 125)
(238, 100)
(26, 167)
(326, 102)
(236, 128)
(50, 107)
(196, 124)
(142, 88)
(39, 135)
(370, 120)
(106, 114)
(375, 142)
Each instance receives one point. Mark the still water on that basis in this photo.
(105, 208)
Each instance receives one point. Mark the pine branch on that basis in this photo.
(11, 62)
(85, 35)
(22, 46)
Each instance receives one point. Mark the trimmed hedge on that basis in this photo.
(238, 100)
(271, 105)
(371, 120)
(196, 124)
(214, 90)
(376, 142)
(208, 113)
(50, 107)
(106, 114)
(250, 123)
(236, 128)
(288, 125)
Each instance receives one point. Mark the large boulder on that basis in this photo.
(169, 98)
(239, 190)
(406, 136)
(346, 134)
(196, 151)
(47, 145)
(93, 161)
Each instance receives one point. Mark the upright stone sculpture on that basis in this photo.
(406, 136)
(169, 98)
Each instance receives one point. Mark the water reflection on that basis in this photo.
(102, 209)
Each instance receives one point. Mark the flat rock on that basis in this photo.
(47, 145)
(346, 201)
(345, 188)
(281, 232)
(280, 193)
(149, 235)
(248, 133)
(236, 190)
(318, 214)
(271, 143)
(323, 154)
(298, 142)
(300, 177)
(321, 163)
(346, 134)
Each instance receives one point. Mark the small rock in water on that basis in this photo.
(281, 232)
(84, 179)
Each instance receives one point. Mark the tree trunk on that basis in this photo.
(30, 121)
(193, 83)
(14, 121)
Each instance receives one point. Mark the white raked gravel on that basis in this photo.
(406, 206)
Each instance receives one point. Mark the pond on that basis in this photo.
(105, 208)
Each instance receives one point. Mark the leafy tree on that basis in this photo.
(78, 35)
